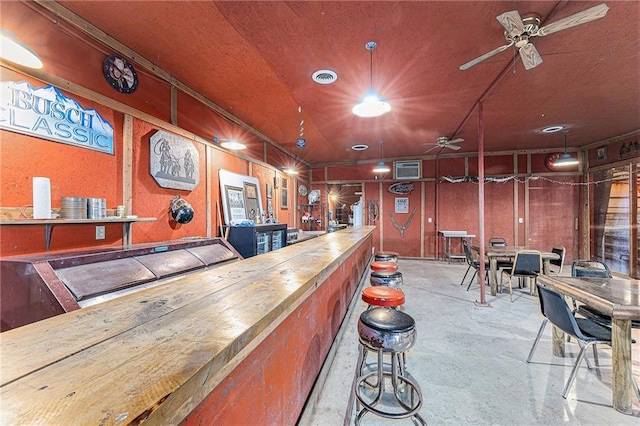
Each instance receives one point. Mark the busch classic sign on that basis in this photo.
(45, 112)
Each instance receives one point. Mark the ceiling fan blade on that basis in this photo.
(579, 18)
(485, 56)
(432, 148)
(453, 147)
(530, 56)
(512, 22)
(456, 140)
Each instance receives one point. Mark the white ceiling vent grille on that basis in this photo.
(324, 76)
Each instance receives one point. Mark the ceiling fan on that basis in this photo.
(518, 31)
(444, 142)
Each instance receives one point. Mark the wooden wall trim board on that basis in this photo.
(422, 217)
(381, 218)
(633, 220)
(127, 163)
(526, 204)
(208, 153)
(516, 226)
(174, 105)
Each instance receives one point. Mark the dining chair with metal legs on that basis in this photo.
(526, 265)
(586, 332)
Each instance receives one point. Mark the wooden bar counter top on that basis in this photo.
(183, 351)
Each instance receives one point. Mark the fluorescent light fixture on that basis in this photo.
(381, 168)
(566, 160)
(14, 50)
(290, 171)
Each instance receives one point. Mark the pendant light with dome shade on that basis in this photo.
(381, 167)
(565, 160)
(14, 50)
(371, 104)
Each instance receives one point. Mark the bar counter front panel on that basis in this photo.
(239, 344)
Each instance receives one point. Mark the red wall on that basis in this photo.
(548, 206)
(271, 385)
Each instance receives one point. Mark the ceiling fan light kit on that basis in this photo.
(371, 104)
(518, 32)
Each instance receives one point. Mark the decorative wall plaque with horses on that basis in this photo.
(173, 161)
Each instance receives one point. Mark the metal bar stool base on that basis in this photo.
(392, 395)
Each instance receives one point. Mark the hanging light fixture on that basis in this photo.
(381, 167)
(565, 160)
(14, 50)
(371, 104)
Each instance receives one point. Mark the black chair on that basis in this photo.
(594, 269)
(472, 264)
(586, 332)
(590, 269)
(503, 262)
(527, 264)
(559, 263)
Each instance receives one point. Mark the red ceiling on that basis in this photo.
(255, 59)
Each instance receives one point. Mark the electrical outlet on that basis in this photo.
(100, 233)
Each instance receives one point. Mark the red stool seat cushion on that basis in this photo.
(383, 296)
(379, 265)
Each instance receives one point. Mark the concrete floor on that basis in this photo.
(470, 361)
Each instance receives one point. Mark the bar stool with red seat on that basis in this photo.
(383, 296)
(379, 265)
(380, 297)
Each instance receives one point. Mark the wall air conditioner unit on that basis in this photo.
(407, 170)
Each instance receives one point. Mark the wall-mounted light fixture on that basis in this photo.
(565, 160)
(231, 144)
(371, 104)
(14, 50)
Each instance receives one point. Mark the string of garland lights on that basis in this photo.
(505, 179)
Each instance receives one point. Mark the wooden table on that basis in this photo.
(620, 299)
(495, 253)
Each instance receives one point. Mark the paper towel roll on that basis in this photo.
(41, 198)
